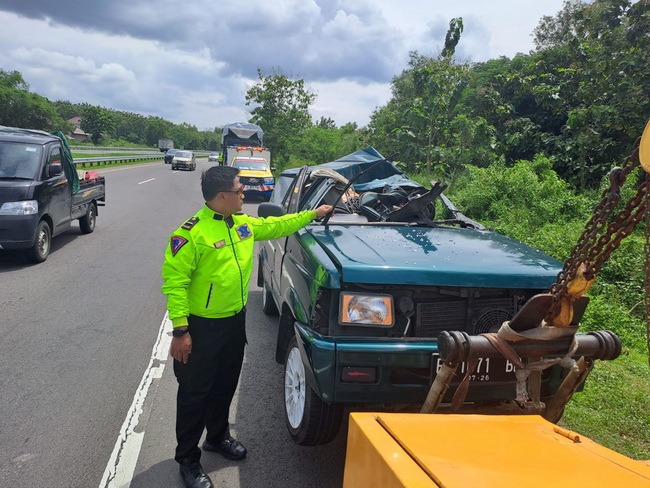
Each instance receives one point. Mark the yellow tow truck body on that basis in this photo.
(393, 450)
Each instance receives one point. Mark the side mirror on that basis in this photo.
(272, 168)
(54, 169)
(266, 209)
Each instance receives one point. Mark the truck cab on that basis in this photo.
(37, 192)
(363, 296)
(255, 176)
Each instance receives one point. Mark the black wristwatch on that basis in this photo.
(179, 332)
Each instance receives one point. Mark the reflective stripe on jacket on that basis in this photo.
(209, 260)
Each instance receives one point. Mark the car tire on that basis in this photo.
(173, 168)
(310, 420)
(268, 304)
(87, 222)
(41, 248)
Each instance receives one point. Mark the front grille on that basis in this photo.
(250, 181)
(471, 315)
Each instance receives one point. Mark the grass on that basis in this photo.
(614, 407)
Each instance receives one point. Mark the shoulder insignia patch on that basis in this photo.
(176, 243)
(243, 231)
(190, 223)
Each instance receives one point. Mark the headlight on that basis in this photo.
(366, 310)
(27, 207)
(269, 180)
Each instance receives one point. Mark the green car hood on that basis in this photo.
(434, 256)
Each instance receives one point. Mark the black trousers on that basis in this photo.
(207, 382)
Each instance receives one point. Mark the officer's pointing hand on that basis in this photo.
(323, 210)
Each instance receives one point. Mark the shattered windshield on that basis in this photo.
(19, 160)
(380, 196)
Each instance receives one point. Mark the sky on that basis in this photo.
(193, 60)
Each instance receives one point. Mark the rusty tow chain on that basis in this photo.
(599, 239)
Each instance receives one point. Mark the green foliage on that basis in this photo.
(614, 407)
(318, 145)
(582, 98)
(429, 136)
(97, 122)
(606, 310)
(281, 108)
(452, 37)
(527, 195)
(21, 108)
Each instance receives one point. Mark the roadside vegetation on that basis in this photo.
(526, 145)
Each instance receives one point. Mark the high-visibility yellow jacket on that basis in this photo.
(209, 260)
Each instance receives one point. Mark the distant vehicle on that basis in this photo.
(238, 152)
(165, 145)
(213, 156)
(184, 160)
(40, 191)
(239, 135)
(255, 176)
(169, 155)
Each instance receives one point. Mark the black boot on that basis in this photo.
(193, 475)
(229, 448)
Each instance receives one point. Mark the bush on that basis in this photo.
(529, 190)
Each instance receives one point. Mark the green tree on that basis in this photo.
(21, 108)
(427, 95)
(326, 123)
(452, 37)
(129, 127)
(281, 108)
(97, 121)
(66, 110)
(597, 54)
(157, 128)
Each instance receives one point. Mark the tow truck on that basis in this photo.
(517, 441)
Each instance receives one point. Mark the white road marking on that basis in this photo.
(146, 181)
(121, 465)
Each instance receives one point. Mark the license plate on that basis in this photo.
(488, 370)
(249, 188)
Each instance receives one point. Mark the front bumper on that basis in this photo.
(182, 164)
(18, 231)
(263, 190)
(258, 193)
(403, 370)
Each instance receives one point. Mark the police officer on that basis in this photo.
(207, 268)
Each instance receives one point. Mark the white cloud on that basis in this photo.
(192, 61)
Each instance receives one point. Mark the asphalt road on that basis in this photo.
(78, 334)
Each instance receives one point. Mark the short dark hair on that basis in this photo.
(216, 179)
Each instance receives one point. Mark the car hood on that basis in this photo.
(255, 174)
(176, 158)
(15, 190)
(434, 256)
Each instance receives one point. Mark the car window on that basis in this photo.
(294, 194)
(281, 186)
(184, 154)
(19, 160)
